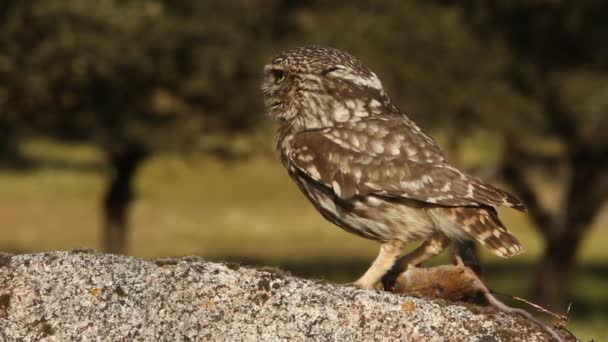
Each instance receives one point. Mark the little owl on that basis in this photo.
(371, 170)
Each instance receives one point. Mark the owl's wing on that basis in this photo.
(389, 156)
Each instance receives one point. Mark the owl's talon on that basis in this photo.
(363, 286)
(358, 285)
(352, 284)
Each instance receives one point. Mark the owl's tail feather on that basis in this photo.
(484, 225)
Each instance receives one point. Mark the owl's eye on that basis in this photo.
(279, 75)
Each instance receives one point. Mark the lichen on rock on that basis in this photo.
(83, 295)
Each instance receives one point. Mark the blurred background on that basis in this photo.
(137, 127)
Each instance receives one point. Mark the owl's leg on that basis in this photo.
(384, 261)
(465, 254)
(432, 247)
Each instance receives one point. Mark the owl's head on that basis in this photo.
(312, 87)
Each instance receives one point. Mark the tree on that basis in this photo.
(132, 77)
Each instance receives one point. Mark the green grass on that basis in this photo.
(248, 211)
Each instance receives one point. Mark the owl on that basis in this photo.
(369, 169)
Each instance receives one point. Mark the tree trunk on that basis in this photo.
(119, 195)
(584, 191)
(555, 271)
(583, 196)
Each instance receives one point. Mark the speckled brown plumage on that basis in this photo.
(368, 168)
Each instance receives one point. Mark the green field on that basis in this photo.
(247, 211)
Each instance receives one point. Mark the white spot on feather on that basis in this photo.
(470, 190)
(439, 198)
(411, 151)
(339, 142)
(350, 104)
(341, 114)
(306, 157)
(515, 249)
(394, 149)
(377, 146)
(336, 187)
(411, 185)
(365, 159)
(484, 235)
(371, 82)
(374, 201)
(313, 172)
(353, 140)
(360, 110)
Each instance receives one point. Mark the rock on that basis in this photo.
(83, 295)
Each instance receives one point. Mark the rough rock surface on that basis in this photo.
(87, 296)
